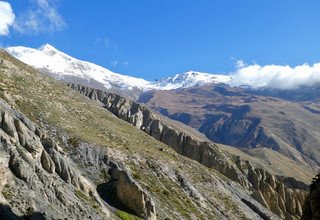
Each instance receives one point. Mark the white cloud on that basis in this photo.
(240, 64)
(126, 63)
(276, 76)
(42, 16)
(6, 17)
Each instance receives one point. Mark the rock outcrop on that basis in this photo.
(283, 199)
(131, 194)
(37, 177)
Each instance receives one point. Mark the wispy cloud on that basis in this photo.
(7, 17)
(114, 62)
(97, 41)
(42, 16)
(106, 42)
(117, 62)
(276, 76)
(109, 43)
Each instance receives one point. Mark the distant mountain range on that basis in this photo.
(62, 66)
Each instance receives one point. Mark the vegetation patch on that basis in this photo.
(126, 216)
(74, 142)
(87, 199)
(7, 193)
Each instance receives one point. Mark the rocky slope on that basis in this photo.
(235, 117)
(283, 195)
(64, 156)
(37, 178)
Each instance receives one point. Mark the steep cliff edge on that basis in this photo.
(284, 196)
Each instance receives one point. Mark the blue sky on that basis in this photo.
(153, 39)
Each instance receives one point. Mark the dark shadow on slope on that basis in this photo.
(255, 209)
(7, 214)
(108, 192)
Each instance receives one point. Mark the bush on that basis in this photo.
(74, 142)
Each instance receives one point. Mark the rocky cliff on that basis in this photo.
(284, 196)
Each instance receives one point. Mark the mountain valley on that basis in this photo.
(185, 147)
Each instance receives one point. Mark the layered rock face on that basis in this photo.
(284, 196)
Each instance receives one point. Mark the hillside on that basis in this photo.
(64, 156)
(232, 116)
(260, 175)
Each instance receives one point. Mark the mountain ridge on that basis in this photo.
(48, 59)
(64, 67)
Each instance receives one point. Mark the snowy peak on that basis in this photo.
(63, 66)
(49, 50)
(190, 79)
(47, 47)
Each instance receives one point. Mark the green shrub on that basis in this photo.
(74, 142)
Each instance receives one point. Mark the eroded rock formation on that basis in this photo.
(45, 178)
(132, 195)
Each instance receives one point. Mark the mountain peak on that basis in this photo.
(46, 46)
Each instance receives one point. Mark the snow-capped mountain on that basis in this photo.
(190, 79)
(64, 67)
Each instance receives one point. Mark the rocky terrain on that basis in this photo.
(284, 196)
(236, 117)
